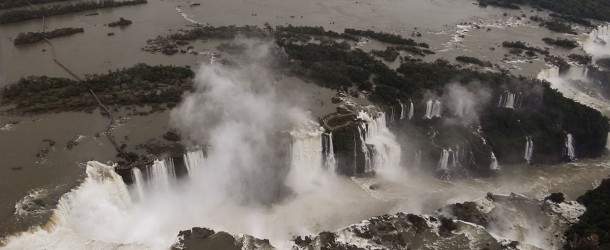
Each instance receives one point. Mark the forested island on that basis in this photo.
(140, 84)
(18, 15)
(34, 37)
(120, 23)
(7, 4)
(564, 43)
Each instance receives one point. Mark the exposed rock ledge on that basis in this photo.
(494, 222)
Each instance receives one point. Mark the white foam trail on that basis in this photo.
(27, 205)
(187, 17)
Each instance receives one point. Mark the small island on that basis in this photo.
(34, 37)
(120, 23)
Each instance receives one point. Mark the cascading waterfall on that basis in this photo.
(429, 105)
(330, 162)
(403, 111)
(194, 160)
(578, 73)
(529, 149)
(386, 152)
(306, 161)
(411, 110)
(453, 161)
(494, 162)
(433, 109)
(417, 159)
(436, 109)
(563, 83)
(569, 148)
(162, 173)
(138, 182)
(363, 133)
(507, 100)
(443, 161)
(547, 74)
(598, 42)
(461, 108)
(355, 168)
(575, 72)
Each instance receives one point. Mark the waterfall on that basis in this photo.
(547, 74)
(330, 162)
(162, 173)
(507, 100)
(138, 182)
(417, 159)
(433, 109)
(529, 149)
(437, 108)
(411, 109)
(577, 73)
(429, 105)
(461, 108)
(494, 162)
(569, 148)
(355, 156)
(306, 158)
(442, 162)
(403, 112)
(194, 160)
(386, 152)
(598, 42)
(365, 150)
(452, 161)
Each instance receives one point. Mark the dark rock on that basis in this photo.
(556, 197)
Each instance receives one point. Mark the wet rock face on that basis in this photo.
(468, 211)
(494, 222)
(556, 197)
(404, 231)
(203, 238)
(528, 222)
